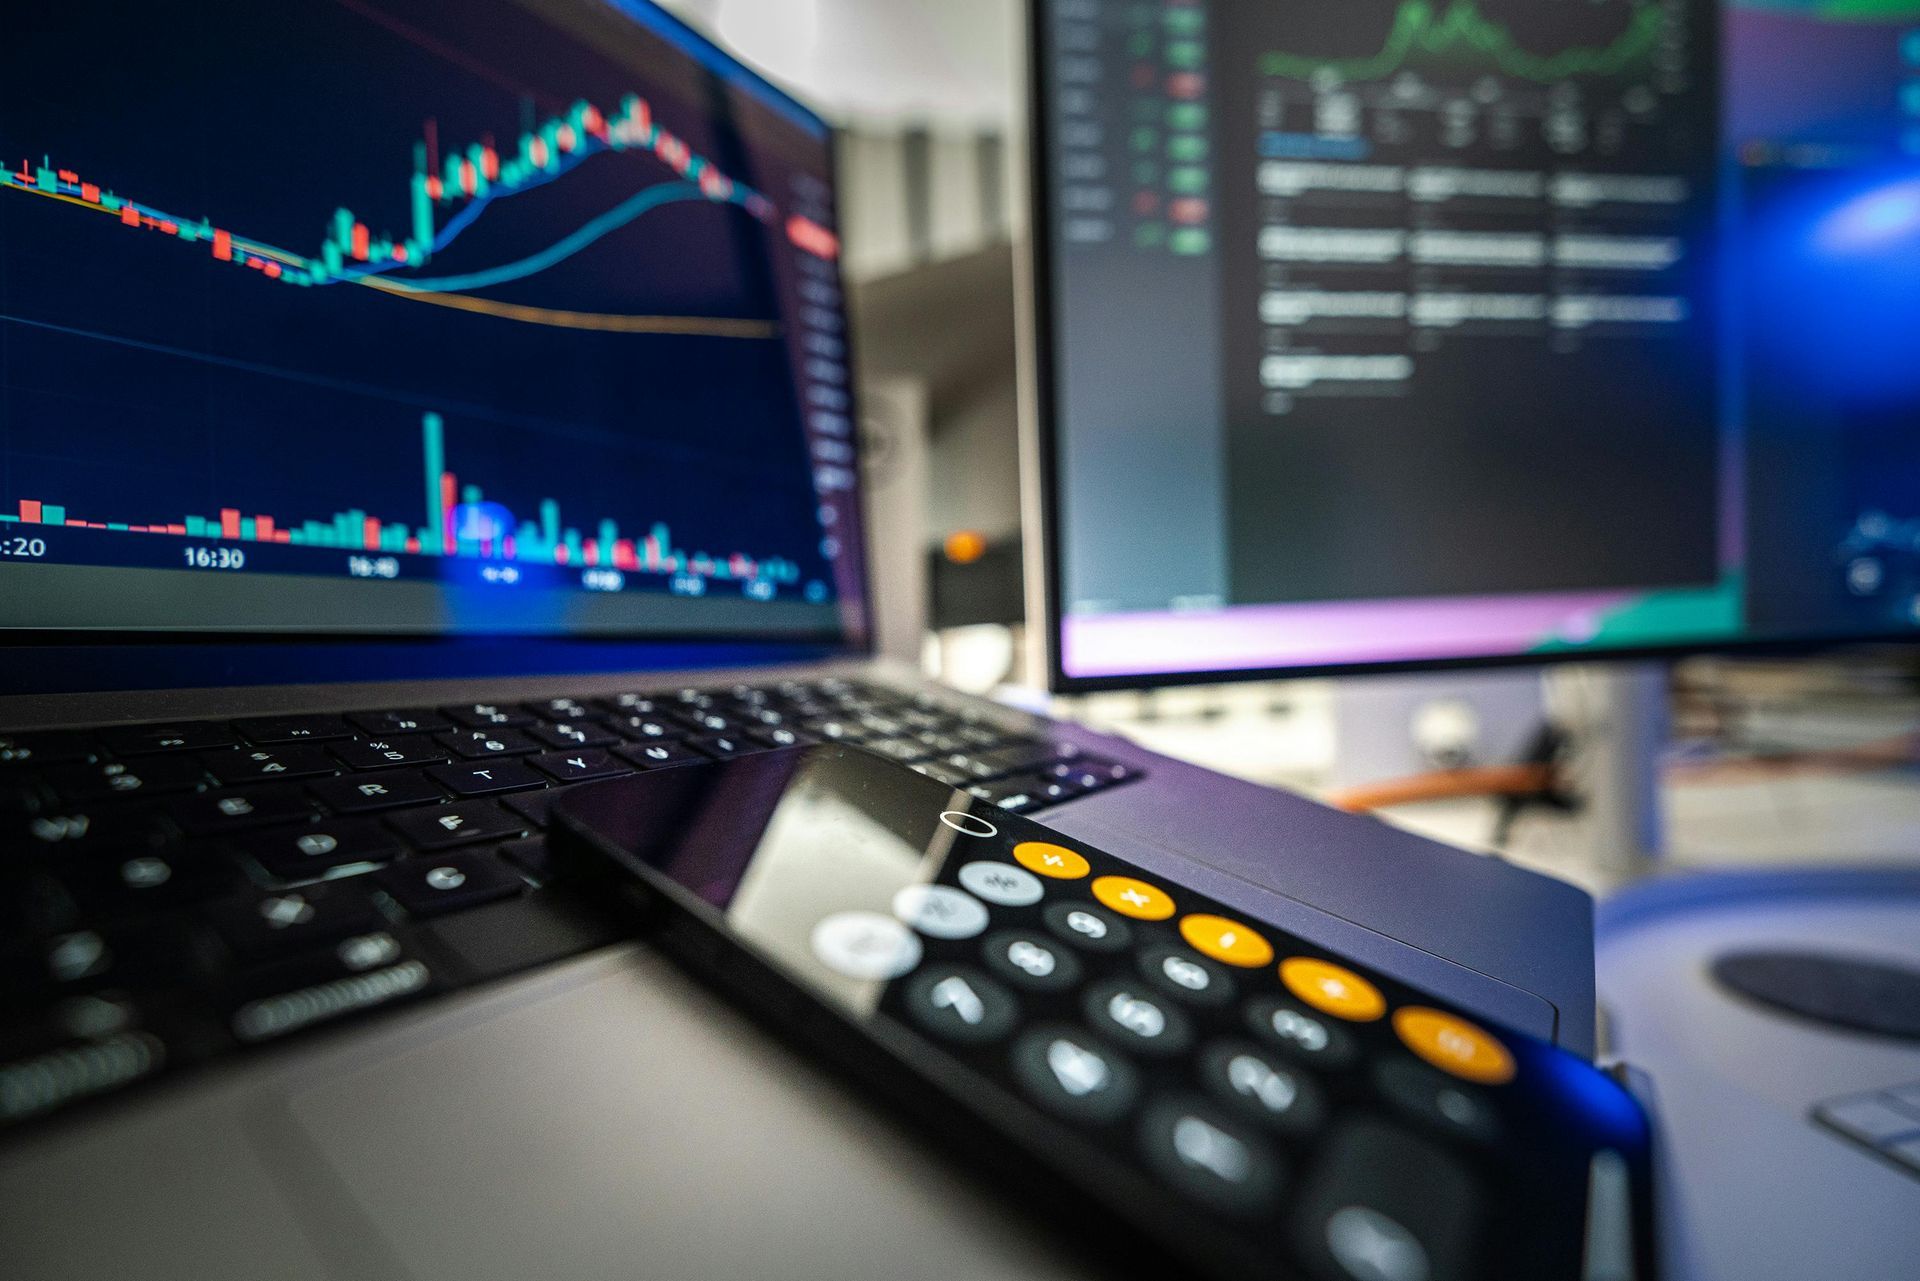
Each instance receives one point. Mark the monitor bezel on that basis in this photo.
(1041, 442)
(59, 660)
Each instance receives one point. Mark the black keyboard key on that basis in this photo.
(1016, 795)
(153, 776)
(660, 755)
(535, 806)
(570, 734)
(779, 736)
(417, 720)
(295, 729)
(1089, 773)
(484, 744)
(969, 766)
(703, 721)
(388, 791)
(531, 855)
(483, 778)
(1215, 1161)
(265, 764)
(650, 729)
(489, 715)
(56, 1076)
(358, 973)
(941, 772)
(634, 704)
(836, 729)
(451, 883)
(153, 740)
(159, 878)
(66, 831)
(1029, 755)
(1382, 1204)
(302, 853)
(562, 710)
(213, 813)
(257, 925)
(904, 750)
(53, 748)
(396, 752)
(578, 767)
(1432, 1098)
(445, 826)
(724, 746)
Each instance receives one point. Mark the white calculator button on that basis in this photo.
(940, 911)
(865, 945)
(1001, 883)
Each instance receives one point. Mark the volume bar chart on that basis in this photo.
(460, 522)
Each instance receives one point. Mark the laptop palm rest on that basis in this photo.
(614, 1120)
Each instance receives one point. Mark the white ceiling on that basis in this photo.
(877, 62)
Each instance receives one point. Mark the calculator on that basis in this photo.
(1178, 1083)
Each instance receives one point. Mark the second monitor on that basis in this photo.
(1379, 332)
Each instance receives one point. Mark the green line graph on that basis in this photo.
(1460, 30)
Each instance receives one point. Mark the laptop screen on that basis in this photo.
(415, 317)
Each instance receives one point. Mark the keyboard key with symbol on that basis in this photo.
(450, 883)
(464, 823)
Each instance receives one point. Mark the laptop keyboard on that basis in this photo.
(172, 893)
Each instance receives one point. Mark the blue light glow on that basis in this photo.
(1879, 218)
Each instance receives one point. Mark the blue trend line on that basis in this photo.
(612, 220)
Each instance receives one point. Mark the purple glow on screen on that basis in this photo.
(1329, 633)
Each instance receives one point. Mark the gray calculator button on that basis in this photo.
(940, 911)
(865, 945)
(1001, 883)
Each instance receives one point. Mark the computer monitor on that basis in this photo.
(1380, 333)
(417, 320)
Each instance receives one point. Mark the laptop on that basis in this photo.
(408, 411)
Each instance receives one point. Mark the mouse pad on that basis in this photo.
(615, 1120)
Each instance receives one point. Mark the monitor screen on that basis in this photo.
(416, 317)
(1386, 332)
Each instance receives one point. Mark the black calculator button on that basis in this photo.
(1258, 1085)
(1436, 1099)
(1069, 1072)
(1032, 961)
(1128, 1014)
(1384, 1205)
(1212, 1159)
(1181, 974)
(959, 1004)
(1089, 927)
(1308, 1038)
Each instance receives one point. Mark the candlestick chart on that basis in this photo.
(480, 294)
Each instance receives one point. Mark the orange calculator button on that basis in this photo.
(1332, 989)
(1454, 1045)
(1129, 897)
(1047, 859)
(1225, 940)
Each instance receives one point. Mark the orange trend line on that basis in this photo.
(703, 326)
